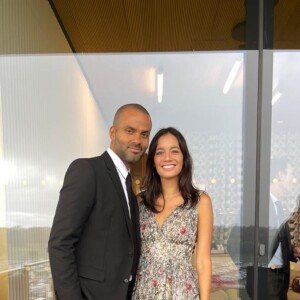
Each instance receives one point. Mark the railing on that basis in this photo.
(33, 281)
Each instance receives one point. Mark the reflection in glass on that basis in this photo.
(285, 168)
(58, 108)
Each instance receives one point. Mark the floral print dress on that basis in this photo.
(165, 269)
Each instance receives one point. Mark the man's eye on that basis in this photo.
(145, 135)
(130, 131)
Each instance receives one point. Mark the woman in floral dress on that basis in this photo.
(173, 216)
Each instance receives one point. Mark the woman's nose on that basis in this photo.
(167, 156)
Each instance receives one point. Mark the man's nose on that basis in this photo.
(137, 138)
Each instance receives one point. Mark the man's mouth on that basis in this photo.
(135, 149)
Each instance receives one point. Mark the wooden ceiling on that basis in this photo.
(94, 26)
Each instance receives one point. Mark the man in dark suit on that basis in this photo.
(274, 280)
(281, 174)
(279, 278)
(94, 243)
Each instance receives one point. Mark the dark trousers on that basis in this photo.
(272, 284)
(278, 284)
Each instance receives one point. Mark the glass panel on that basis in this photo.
(58, 108)
(49, 117)
(284, 209)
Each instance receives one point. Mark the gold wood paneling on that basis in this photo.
(3, 265)
(287, 25)
(135, 25)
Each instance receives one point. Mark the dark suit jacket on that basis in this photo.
(247, 247)
(91, 242)
(284, 238)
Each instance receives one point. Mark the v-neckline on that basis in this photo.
(166, 219)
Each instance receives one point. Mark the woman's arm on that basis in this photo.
(203, 250)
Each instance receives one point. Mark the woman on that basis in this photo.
(173, 216)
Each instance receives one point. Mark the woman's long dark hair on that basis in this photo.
(151, 188)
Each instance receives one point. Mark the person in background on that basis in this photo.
(174, 215)
(287, 247)
(281, 174)
(94, 242)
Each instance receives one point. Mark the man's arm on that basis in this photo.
(73, 209)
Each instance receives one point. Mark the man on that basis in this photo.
(281, 175)
(273, 282)
(285, 252)
(94, 243)
(281, 253)
(273, 279)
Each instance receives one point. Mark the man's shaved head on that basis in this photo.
(130, 132)
(134, 106)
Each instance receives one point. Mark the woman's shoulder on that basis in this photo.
(205, 208)
(203, 195)
(203, 199)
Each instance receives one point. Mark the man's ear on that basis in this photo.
(112, 132)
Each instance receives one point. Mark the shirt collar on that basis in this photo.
(274, 199)
(118, 163)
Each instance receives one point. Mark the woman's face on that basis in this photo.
(168, 158)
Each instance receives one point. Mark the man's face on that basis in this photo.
(130, 135)
(297, 251)
(287, 178)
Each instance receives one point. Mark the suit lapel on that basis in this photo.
(113, 173)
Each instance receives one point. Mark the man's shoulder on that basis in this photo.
(86, 162)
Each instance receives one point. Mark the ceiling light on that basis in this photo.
(232, 75)
(160, 87)
(276, 97)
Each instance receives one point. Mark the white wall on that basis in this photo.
(48, 117)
